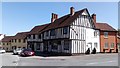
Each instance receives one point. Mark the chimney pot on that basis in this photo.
(54, 17)
(72, 11)
(94, 17)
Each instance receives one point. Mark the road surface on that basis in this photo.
(83, 60)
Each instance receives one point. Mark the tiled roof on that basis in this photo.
(7, 38)
(64, 21)
(104, 27)
(20, 35)
(37, 29)
(60, 22)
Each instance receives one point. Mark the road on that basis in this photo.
(83, 60)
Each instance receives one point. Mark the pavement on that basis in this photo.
(109, 59)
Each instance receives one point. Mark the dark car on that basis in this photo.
(27, 52)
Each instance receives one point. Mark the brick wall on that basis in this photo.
(112, 38)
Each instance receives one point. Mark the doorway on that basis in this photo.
(90, 46)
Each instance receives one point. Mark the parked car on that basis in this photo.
(17, 51)
(27, 52)
(2, 51)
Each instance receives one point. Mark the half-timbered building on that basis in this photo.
(73, 33)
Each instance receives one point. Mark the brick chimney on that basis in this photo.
(54, 17)
(72, 10)
(94, 17)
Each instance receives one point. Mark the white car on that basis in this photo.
(17, 51)
(2, 51)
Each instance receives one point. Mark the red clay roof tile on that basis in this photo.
(7, 38)
(104, 27)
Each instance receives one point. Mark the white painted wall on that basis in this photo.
(1, 37)
(82, 33)
(90, 38)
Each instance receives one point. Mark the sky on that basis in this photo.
(23, 16)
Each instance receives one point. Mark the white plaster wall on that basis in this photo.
(91, 39)
(2, 36)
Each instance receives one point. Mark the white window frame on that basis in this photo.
(112, 45)
(106, 45)
(105, 34)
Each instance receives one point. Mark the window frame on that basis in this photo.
(52, 32)
(19, 40)
(54, 46)
(15, 40)
(24, 40)
(112, 46)
(95, 33)
(105, 34)
(34, 36)
(66, 47)
(38, 46)
(47, 33)
(39, 36)
(105, 45)
(96, 45)
(65, 30)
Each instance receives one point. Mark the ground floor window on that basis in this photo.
(112, 45)
(38, 46)
(96, 45)
(19, 47)
(66, 45)
(59, 43)
(106, 45)
(6, 48)
(54, 47)
(23, 47)
(14, 47)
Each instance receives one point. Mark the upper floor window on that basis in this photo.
(15, 40)
(106, 34)
(39, 36)
(19, 40)
(52, 32)
(12, 40)
(61, 31)
(95, 33)
(43, 35)
(65, 30)
(29, 36)
(33, 36)
(24, 40)
(47, 33)
(3, 43)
